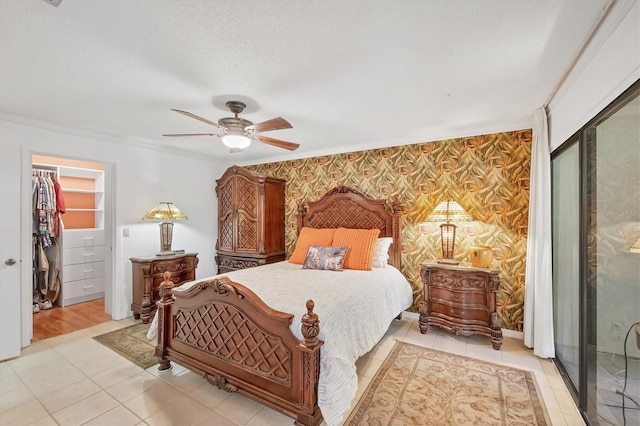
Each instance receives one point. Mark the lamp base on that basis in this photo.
(166, 253)
(448, 261)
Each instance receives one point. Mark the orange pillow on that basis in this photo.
(361, 243)
(310, 237)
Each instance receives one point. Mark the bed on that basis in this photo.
(281, 342)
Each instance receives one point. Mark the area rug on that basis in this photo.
(132, 343)
(421, 386)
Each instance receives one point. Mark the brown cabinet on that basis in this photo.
(250, 220)
(461, 300)
(148, 274)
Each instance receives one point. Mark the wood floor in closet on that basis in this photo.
(58, 321)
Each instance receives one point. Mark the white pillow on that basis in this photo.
(381, 253)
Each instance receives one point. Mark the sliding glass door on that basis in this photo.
(596, 269)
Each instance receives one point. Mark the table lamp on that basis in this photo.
(165, 212)
(448, 211)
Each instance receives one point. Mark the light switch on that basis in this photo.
(125, 232)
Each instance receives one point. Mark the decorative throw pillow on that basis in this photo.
(381, 253)
(325, 258)
(307, 237)
(361, 243)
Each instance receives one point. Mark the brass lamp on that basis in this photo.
(166, 212)
(448, 211)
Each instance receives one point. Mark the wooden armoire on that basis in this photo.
(250, 219)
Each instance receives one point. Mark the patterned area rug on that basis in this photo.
(132, 343)
(421, 386)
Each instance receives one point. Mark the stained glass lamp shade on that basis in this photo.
(448, 211)
(165, 212)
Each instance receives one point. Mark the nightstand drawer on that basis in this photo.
(456, 313)
(186, 264)
(461, 297)
(469, 281)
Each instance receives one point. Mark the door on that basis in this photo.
(10, 251)
(226, 216)
(247, 200)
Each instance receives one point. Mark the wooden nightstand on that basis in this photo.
(461, 299)
(148, 275)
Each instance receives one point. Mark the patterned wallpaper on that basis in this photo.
(488, 175)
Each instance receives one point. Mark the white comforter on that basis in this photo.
(355, 309)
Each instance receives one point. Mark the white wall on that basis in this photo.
(141, 177)
(610, 65)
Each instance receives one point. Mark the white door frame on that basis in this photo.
(25, 236)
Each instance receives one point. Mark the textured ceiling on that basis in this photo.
(347, 75)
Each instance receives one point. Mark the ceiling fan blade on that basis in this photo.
(277, 142)
(204, 120)
(191, 134)
(273, 124)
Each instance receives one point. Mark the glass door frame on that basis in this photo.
(585, 393)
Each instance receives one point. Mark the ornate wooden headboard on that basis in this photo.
(344, 207)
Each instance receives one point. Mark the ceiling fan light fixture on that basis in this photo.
(236, 140)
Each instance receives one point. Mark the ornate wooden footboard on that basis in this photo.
(222, 330)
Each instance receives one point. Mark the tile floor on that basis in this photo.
(74, 380)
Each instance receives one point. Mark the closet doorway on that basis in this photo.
(71, 245)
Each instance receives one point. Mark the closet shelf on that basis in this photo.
(83, 210)
(82, 191)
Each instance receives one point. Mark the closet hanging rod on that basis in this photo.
(43, 172)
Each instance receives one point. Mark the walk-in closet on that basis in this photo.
(68, 253)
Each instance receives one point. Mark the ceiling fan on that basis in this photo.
(237, 132)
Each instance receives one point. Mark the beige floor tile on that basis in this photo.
(86, 409)
(46, 421)
(185, 381)
(61, 398)
(549, 398)
(565, 401)
(52, 379)
(35, 348)
(6, 370)
(209, 395)
(269, 417)
(238, 408)
(367, 366)
(98, 361)
(24, 414)
(573, 420)
(116, 375)
(118, 416)
(133, 386)
(15, 397)
(10, 383)
(363, 383)
(216, 419)
(154, 399)
(42, 360)
(452, 344)
(523, 360)
(382, 349)
(414, 336)
(183, 413)
(556, 417)
(484, 352)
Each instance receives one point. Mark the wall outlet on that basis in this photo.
(125, 232)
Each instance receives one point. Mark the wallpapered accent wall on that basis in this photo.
(488, 175)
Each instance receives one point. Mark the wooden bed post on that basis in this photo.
(397, 210)
(164, 312)
(310, 347)
(302, 210)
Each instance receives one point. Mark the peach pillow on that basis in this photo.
(310, 237)
(361, 243)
